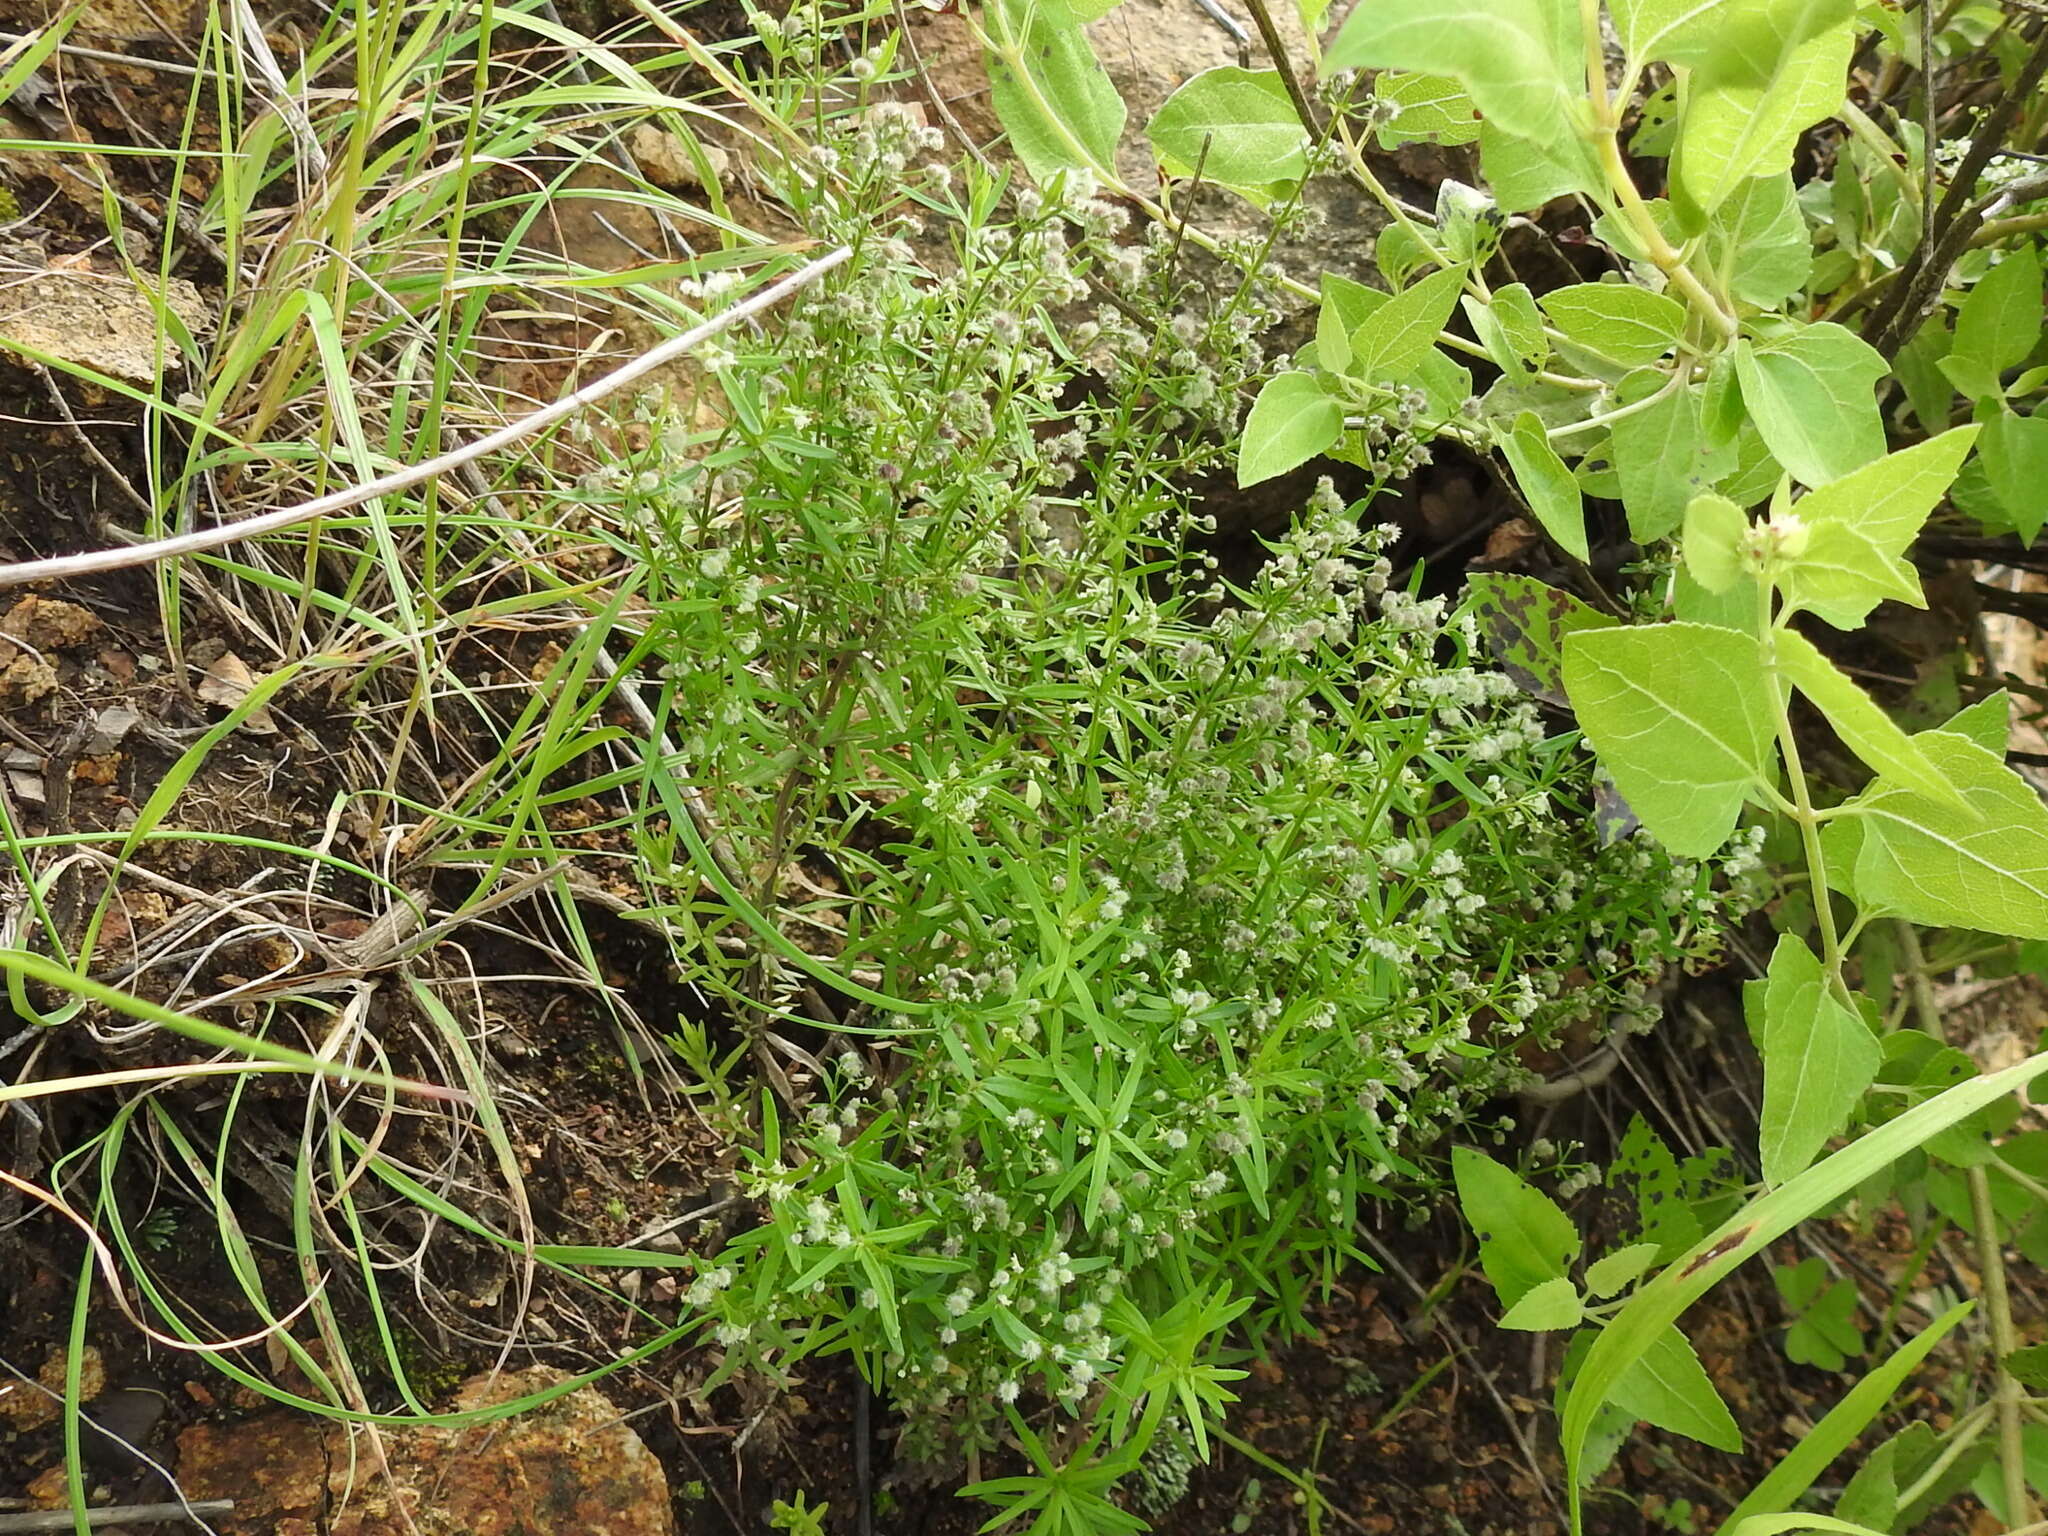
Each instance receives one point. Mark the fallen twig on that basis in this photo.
(58, 567)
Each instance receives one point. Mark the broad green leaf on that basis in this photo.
(1291, 422)
(1762, 1221)
(1526, 173)
(1667, 1386)
(1988, 722)
(1683, 719)
(1617, 321)
(1661, 454)
(1736, 129)
(1392, 341)
(1757, 242)
(1239, 125)
(1864, 728)
(1918, 367)
(1998, 323)
(2014, 451)
(1818, 1059)
(1524, 1239)
(1715, 532)
(1525, 622)
(1927, 861)
(1617, 1271)
(1552, 492)
(1510, 329)
(1840, 1427)
(1552, 1305)
(1061, 111)
(1745, 40)
(1344, 305)
(1871, 1496)
(1809, 391)
(1861, 525)
(1399, 254)
(1468, 222)
(1521, 61)
(1428, 108)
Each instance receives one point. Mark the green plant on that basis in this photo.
(1711, 369)
(798, 1518)
(1114, 928)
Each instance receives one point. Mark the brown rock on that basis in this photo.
(48, 624)
(569, 1466)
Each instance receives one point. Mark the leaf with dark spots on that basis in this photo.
(1612, 818)
(1525, 621)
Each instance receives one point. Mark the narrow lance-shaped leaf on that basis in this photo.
(1663, 1300)
(1667, 1386)
(1818, 1059)
(1682, 718)
(1864, 728)
(1552, 490)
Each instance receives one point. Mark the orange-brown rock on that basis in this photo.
(569, 1466)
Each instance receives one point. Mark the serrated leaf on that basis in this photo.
(1544, 1308)
(1932, 864)
(1661, 455)
(1239, 125)
(1715, 532)
(1818, 1059)
(1062, 113)
(1425, 108)
(1620, 322)
(1988, 722)
(1864, 728)
(1524, 622)
(1734, 130)
(2000, 320)
(1810, 393)
(1291, 422)
(1391, 343)
(1524, 1239)
(2014, 452)
(1617, 1271)
(1681, 716)
(1552, 491)
(1861, 525)
(1521, 61)
(1667, 1386)
(2029, 1366)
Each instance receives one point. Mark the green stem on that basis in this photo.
(1803, 812)
(2007, 1393)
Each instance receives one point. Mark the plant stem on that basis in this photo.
(1802, 803)
(2012, 1455)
